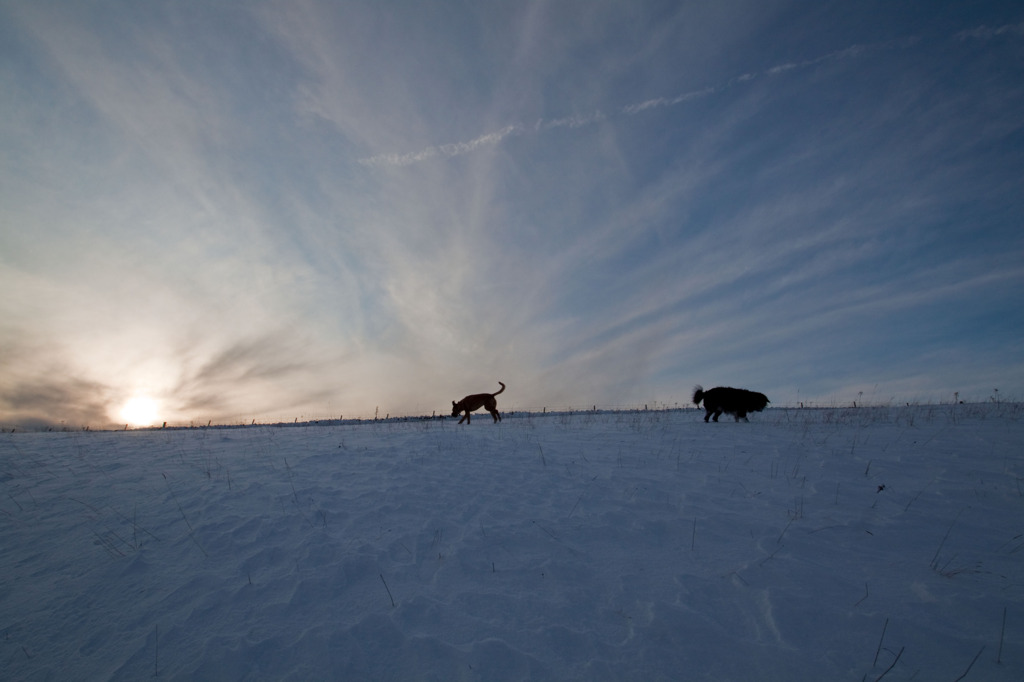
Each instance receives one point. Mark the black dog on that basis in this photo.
(734, 401)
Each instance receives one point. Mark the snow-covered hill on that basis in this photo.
(806, 545)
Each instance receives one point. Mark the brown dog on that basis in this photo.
(475, 402)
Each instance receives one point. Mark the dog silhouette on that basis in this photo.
(475, 402)
(735, 401)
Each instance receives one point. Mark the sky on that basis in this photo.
(242, 211)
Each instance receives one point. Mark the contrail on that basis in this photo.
(446, 150)
(986, 33)
(570, 121)
(579, 121)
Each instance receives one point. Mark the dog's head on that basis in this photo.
(759, 401)
(455, 409)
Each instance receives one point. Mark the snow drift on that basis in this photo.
(807, 545)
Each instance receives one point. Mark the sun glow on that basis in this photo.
(140, 411)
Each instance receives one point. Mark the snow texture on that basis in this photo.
(820, 544)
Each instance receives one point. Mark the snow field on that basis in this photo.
(805, 545)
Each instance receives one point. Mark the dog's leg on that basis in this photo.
(496, 415)
(707, 414)
(718, 413)
(465, 418)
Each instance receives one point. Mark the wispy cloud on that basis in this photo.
(200, 209)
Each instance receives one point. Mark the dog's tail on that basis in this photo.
(502, 389)
(698, 394)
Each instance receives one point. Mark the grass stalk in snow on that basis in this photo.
(135, 526)
(914, 499)
(777, 541)
(891, 666)
(171, 490)
(1002, 633)
(108, 545)
(191, 531)
(880, 640)
(798, 508)
(295, 495)
(971, 665)
(796, 467)
(772, 555)
(935, 559)
(578, 499)
(553, 536)
(388, 590)
(192, 535)
(866, 595)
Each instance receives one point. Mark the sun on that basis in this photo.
(140, 411)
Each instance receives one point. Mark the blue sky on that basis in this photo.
(279, 210)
